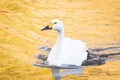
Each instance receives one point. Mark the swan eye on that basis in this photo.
(55, 22)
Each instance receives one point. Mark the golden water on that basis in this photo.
(96, 22)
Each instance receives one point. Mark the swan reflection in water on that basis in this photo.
(58, 75)
(68, 69)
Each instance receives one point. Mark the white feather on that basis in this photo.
(66, 50)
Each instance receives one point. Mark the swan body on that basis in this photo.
(66, 50)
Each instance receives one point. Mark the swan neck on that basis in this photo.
(60, 39)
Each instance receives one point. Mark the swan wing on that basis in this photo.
(73, 52)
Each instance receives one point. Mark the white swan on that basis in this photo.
(66, 50)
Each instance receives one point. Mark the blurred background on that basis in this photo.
(96, 22)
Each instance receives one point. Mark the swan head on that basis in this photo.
(54, 25)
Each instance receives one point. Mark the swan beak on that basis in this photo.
(46, 28)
